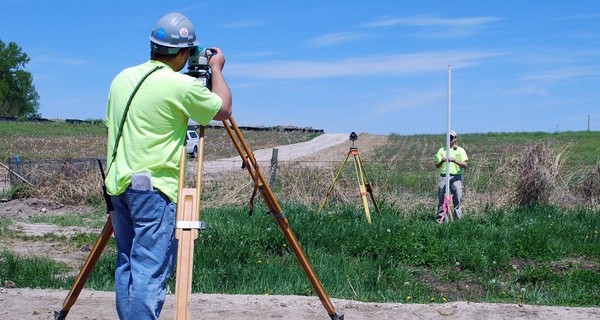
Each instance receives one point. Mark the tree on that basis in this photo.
(18, 97)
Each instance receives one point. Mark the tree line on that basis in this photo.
(18, 97)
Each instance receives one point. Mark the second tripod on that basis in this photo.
(363, 183)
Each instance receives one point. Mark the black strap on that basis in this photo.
(109, 205)
(114, 154)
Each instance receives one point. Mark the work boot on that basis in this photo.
(458, 211)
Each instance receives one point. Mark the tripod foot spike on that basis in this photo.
(60, 315)
(336, 316)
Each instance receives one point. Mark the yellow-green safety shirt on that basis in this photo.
(155, 128)
(459, 154)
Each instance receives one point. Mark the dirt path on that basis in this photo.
(30, 304)
(285, 153)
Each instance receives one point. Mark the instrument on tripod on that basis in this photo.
(188, 210)
(188, 230)
(199, 68)
(363, 184)
(191, 226)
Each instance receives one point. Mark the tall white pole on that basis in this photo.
(448, 136)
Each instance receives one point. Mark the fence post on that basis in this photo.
(273, 168)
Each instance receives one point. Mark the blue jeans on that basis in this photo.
(144, 226)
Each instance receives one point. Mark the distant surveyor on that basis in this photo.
(457, 162)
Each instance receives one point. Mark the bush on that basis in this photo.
(532, 176)
(17, 191)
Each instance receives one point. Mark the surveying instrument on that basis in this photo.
(363, 184)
(188, 217)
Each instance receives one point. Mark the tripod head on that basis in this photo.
(353, 137)
(198, 65)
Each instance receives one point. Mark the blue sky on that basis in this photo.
(366, 66)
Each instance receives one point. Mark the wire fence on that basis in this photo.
(407, 183)
(35, 171)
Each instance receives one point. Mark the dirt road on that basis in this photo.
(29, 304)
(285, 153)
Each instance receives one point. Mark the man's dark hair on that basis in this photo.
(158, 56)
(155, 55)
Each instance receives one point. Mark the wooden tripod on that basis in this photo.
(188, 230)
(363, 184)
(262, 185)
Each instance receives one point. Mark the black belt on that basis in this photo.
(452, 175)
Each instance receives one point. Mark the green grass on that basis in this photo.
(4, 223)
(49, 140)
(532, 255)
(51, 129)
(406, 162)
(35, 272)
(92, 220)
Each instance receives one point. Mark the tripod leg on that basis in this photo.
(361, 185)
(333, 183)
(370, 191)
(186, 231)
(86, 270)
(252, 166)
(367, 184)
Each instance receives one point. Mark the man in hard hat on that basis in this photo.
(147, 115)
(457, 163)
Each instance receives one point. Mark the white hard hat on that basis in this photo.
(171, 33)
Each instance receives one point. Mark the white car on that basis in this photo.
(191, 143)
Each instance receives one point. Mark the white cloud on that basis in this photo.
(409, 99)
(43, 59)
(256, 54)
(431, 26)
(367, 65)
(335, 38)
(593, 16)
(563, 74)
(527, 90)
(243, 24)
(428, 21)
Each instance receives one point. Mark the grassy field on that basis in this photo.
(534, 255)
(47, 140)
(542, 251)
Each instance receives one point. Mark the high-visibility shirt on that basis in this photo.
(458, 153)
(154, 132)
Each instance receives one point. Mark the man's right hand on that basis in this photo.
(217, 60)
(219, 85)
